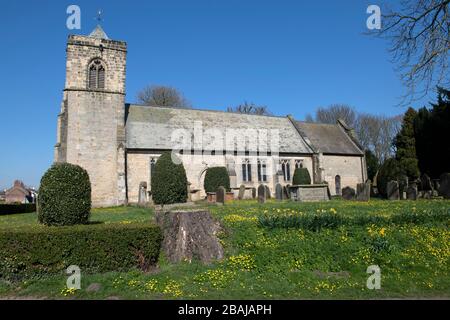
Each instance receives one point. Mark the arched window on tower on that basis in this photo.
(97, 77)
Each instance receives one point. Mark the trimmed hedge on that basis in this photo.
(17, 208)
(94, 248)
(64, 196)
(169, 183)
(301, 176)
(216, 177)
(390, 170)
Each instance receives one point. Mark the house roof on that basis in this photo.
(158, 128)
(329, 138)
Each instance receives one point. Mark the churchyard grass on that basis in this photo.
(286, 260)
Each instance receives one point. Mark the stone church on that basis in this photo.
(119, 143)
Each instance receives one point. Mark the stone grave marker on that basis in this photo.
(261, 193)
(393, 192)
(220, 195)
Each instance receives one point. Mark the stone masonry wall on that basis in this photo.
(348, 167)
(138, 170)
(93, 120)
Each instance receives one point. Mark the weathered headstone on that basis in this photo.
(285, 194)
(426, 183)
(261, 193)
(142, 197)
(220, 195)
(411, 192)
(253, 193)
(436, 184)
(444, 185)
(403, 186)
(278, 192)
(393, 192)
(427, 194)
(348, 193)
(268, 194)
(241, 192)
(363, 191)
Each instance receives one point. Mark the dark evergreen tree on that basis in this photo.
(169, 183)
(405, 145)
(373, 164)
(431, 131)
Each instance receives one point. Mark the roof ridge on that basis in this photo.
(206, 110)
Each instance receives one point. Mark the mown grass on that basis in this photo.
(285, 262)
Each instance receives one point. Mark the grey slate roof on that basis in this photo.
(98, 33)
(328, 138)
(153, 127)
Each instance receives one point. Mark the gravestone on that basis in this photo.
(427, 194)
(241, 192)
(363, 191)
(436, 184)
(411, 192)
(253, 193)
(268, 194)
(393, 192)
(348, 193)
(142, 198)
(403, 186)
(444, 185)
(278, 192)
(220, 195)
(426, 183)
(285, 193)
(261, 193)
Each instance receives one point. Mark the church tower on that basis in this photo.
(91, 124)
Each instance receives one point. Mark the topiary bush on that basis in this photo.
(390, 170)
(216, 177)
(301, 176)
(64, 196)
(169, 183)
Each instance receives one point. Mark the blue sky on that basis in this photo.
(292, 56)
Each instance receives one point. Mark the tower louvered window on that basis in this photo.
(96, 75)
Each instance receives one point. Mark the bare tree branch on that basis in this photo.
(419, 36)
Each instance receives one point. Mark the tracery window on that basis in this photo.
(96, 75)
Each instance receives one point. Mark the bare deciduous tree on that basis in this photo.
(162, 96)
(419, 35)
(333, 113)
(250, 108)
(376, 133)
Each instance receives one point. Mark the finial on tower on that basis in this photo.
(99, 17)
(98, 31)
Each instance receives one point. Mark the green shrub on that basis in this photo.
(390, 170)
(301, 176)
(17, 208)
(169, 183)
(216, 177)
(64, 196)
(93, 248)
